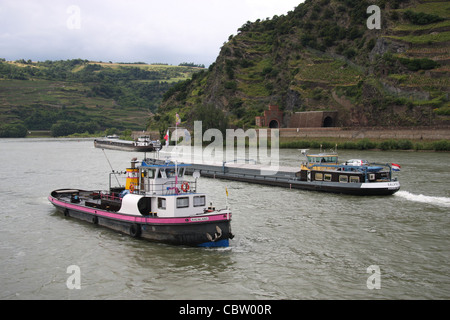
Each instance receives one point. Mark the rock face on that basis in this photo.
(384, 45)
(322, 57)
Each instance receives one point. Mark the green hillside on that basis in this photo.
(322, 56)
(82, 96)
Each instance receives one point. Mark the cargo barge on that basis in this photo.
(318, 172)
(142, 144)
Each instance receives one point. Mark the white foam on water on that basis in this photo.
(438, 201)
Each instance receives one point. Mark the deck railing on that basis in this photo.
(168, 188)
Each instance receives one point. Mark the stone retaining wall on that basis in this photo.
(419, 133)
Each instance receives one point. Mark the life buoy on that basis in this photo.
(185, 186)
(131, 188)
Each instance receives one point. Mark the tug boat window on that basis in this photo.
(183, 202)
(151, 173)
(327, 177)
(354, 179)
(343, 179)
(319, 176)
(148, 173)
(161, 203)
(167, 173)
(199, 201)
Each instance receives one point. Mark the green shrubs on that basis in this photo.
(421, 18)
(13, 131)
(418, 64)
(64, 128)
(441, 145)
(396, 145)
(366, 144)
(304, 144)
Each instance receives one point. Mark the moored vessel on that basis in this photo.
(156, 203)
(141, 144)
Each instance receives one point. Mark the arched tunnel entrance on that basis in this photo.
(274, 124)
(328, 122)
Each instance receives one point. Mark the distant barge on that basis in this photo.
(320, 172)
(142, 144)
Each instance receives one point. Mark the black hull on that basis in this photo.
(173, 234)
(338, 188)
(124, 147)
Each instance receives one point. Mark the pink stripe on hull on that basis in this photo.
(197, 219)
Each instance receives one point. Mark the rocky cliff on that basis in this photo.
(386, 67)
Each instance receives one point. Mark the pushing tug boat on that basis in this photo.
(141, 144)
(156, 204)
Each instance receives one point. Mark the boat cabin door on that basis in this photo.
(147, 178)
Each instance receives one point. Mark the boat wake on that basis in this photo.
(438, 201)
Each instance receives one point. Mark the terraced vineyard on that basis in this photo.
(86, 96)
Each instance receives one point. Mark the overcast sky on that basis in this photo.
(165, 31)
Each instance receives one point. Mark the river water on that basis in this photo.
(289, 244)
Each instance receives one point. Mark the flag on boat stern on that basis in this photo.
(396, 167)
(166, 137)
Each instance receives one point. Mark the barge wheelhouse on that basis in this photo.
(359, 177)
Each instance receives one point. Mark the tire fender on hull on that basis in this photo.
(135, 230)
